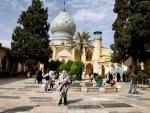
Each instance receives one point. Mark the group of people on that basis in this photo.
(49, 80)
(129, 75)
(62, 83)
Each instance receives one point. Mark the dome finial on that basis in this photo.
(64, 6)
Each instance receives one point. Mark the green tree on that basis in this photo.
(132, 31)
(81, 42)
(53, 65)
(76, 68)
(66, 66)
(137, 30)
(30, 39)
(62, 67)
(119, 48)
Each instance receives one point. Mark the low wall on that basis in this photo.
(75, 89)
(94, 89)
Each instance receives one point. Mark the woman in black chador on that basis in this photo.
(39, 77)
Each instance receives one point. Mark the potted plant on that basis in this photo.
(98, 79)
(141, 76)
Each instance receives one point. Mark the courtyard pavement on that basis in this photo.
(24, 96)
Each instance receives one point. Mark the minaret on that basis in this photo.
(97, 51)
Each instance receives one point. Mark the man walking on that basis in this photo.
(133, 74)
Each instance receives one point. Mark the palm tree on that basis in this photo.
(81, 41)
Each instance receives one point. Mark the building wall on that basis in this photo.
(4, 59)
(147, 67)
(99, 56)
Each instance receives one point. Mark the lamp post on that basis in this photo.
(142, 68)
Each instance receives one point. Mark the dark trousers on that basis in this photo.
(65, 100)
(51, 85)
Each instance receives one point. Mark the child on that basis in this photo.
(47, 82)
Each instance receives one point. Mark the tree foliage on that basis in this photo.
(119, 48)
(77, 68)
(132, 31)
(30, 39)
(81, 42)
(66, 66)
(53, 65)
(73, 68)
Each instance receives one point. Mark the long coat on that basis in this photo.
(63, 85)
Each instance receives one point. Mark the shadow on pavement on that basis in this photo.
(9, 80)
(18, 109)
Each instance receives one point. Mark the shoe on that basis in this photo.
(65, 103)
(59, 103)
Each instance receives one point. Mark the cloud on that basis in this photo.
(88, 15)
(6, 43)
(51, 4)
(14, 5)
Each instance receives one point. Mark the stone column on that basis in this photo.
(54, 53)
(83, 58)
(73, 54)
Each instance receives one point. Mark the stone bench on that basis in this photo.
(92, 90)
(75, 89)
(111, 89)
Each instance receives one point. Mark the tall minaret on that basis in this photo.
(97, 51)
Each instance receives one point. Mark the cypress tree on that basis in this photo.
(132, 31)
(30, 39)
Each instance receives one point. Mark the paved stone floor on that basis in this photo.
(23, 96)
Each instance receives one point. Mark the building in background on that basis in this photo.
(63, 30)
(5, 60)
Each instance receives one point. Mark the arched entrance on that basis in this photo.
(89, 69)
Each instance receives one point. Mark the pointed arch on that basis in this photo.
(89, 69)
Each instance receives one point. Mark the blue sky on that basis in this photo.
(89, 16)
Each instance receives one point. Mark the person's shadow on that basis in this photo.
(74, 101)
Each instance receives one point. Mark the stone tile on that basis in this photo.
(31, 86)
(9, 97)
(33, 94)
(147, 99)
(22, 89)
(18, 109)
(87, 111)
(126, 112)
(7, 88)
(44, 98)
(114, 105)
(84, 107)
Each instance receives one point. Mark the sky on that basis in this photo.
(89, 16)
